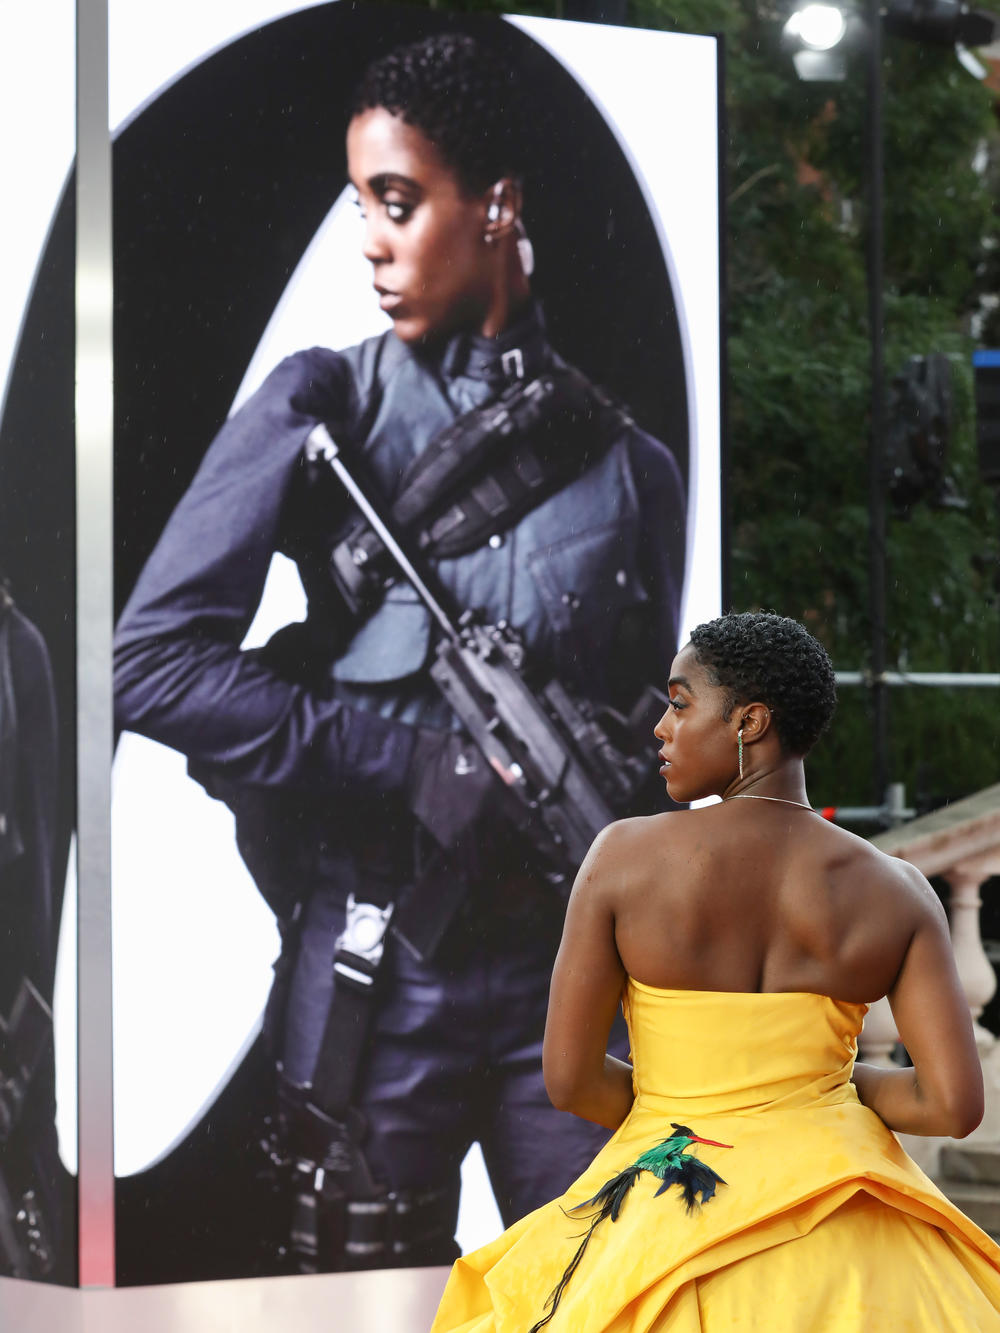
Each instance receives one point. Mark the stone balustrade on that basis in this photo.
(960, 843)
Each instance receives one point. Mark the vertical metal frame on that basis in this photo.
(94, 625)
(726, 516)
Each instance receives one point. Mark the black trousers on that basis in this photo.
(455, 1056)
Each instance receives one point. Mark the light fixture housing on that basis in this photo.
(817, 26)
(942, 22)
(819, 37)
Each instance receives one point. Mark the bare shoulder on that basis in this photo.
(625, 836)
(884, 880)
(615, 842)
(671, 833)
(628, 855)
(909, 886)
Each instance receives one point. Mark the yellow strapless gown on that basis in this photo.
(823, 1225)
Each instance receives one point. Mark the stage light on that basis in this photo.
(817, 36)
(819, 27)
(944, 22)
(918, 428)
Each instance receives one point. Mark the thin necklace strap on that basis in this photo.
(746, 796)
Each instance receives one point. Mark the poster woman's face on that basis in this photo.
(424, 233)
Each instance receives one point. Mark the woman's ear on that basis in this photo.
(502, 202)
(755, 721)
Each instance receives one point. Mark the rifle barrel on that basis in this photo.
(323, 443)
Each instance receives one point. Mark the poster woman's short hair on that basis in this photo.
(460, 96)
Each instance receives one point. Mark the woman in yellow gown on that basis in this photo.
(753, 1181)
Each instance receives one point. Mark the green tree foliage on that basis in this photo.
(798, 384)
(799, 378)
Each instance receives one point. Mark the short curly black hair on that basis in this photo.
(460, 96)
(755, 655)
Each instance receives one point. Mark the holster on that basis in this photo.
(26, 1249)
(339, 1217)
(24, 1039)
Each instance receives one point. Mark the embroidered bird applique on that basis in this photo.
(672, 1164)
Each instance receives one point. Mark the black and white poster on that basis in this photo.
(38, 1096)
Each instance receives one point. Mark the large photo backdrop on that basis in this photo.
(38, 1010)
(237, 243)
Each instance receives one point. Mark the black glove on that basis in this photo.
(452, 788)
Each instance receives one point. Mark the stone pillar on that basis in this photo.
(977, 976)
(975, 970)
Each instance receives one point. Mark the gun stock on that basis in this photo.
(522, 743)
(530, 741)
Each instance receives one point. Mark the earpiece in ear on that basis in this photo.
(525, 250)
(493, 212)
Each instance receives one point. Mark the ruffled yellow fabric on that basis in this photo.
(824, 1224)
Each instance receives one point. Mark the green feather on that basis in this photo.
(672, 1164)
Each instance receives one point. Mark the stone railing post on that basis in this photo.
(975, 971)
(976, 975)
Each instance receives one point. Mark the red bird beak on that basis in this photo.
(711, 1142)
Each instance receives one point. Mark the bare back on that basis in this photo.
(751, 895)
(756, 896)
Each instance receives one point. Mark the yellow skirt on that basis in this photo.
(823, 1222)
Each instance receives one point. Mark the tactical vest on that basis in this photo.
(562, 575)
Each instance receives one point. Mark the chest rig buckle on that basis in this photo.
(512, 363)
(361, 945)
